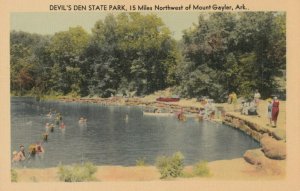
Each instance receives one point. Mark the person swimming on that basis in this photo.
(49, 115)
(51, 128)
(45, 136)
(32, 150)
(16, 157)
(19, 156)
(57, 119)
(39, 148)
(62, 126)
(47, 127)
(81, 120)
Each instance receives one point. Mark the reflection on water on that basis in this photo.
(118, 135)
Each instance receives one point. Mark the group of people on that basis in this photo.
(36, 149)
(49, 127)
(251, 108)
(208, 111)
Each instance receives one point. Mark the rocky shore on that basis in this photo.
(272, 153)
(120, 101)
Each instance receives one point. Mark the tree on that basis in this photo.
(66, 50)
(246, 51)
(134, 49)
(24, 61)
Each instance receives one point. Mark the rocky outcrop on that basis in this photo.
(257, 157)
(270, 157)
(254, 130)
(272, 148)
(248, 127)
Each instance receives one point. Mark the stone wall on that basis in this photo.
(254, 130)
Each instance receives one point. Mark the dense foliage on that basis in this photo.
(227, 52)
(133, 52)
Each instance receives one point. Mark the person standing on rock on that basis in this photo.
(257, 98)
(275, 110)
(270, 111)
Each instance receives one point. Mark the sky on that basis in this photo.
(50, 23)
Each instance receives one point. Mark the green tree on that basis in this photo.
(66, 50)
(132, 50)
(237, 52)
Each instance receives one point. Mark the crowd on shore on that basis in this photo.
(251, 107)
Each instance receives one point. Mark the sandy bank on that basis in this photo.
(235, 169)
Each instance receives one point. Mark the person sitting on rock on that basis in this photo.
(252, 109)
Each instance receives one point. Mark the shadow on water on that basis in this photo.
(119, 135)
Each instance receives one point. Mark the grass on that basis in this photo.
(14, 175)
(170, 166)
(201, 169)
(77, 172)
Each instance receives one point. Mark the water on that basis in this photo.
(111, 139)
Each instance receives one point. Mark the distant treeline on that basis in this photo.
(133, 52)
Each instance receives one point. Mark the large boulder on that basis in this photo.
(263, 164)
(255, 157)
(273, 148)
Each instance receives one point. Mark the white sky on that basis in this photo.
(49, 23)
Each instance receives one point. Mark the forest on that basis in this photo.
(136, 53)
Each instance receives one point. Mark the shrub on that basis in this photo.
(14, 175)
(77, 172)
(201, 169)
(140, 162)
(170, 166)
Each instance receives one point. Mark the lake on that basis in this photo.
(111, 138)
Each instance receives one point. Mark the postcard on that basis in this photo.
(161, 95)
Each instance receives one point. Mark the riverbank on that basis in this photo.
(235, 169)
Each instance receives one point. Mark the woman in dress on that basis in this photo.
(275, 110)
